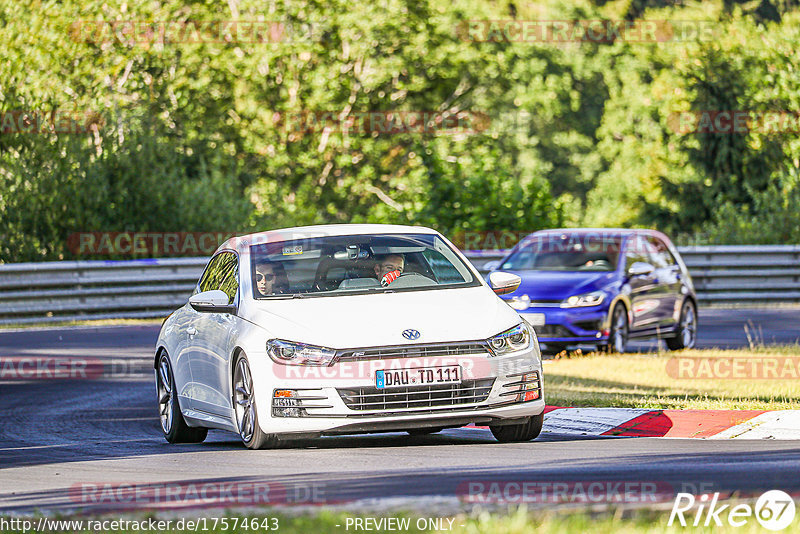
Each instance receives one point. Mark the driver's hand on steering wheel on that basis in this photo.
(390, 277)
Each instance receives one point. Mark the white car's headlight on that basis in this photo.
(290, 353)
(587, 299)
(512, 340)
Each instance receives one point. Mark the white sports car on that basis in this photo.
(346, 329)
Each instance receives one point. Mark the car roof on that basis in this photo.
(621, 232)
(242, 243)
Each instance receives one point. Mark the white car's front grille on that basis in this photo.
(371, 398)
(414, 351)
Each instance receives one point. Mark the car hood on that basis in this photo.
(558, 285)
(354, 321)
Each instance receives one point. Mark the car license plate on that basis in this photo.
(535, 319)
(420, 376)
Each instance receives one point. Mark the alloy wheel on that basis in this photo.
(619, 333)
(688, 326)
(243, 400)
(166, 396)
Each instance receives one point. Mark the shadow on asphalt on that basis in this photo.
(732, 473)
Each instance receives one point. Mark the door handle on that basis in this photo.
(191, 330)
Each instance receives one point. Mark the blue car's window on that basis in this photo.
(660, 255)
(637, 249)
(566, 252)
(337, 265)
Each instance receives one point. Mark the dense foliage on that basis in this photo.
(202, 134)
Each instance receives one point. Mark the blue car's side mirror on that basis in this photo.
(640, 268)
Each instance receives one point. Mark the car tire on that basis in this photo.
(686, 333)
(173, 425)
(518, 433)
(244, 405)
(618, 331)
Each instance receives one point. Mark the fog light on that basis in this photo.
(526, 388)
(284, 404)
(531, 387)
(531, 395)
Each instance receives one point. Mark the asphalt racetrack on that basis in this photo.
(59, 439)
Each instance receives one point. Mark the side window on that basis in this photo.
(636, 250)
(229, 275)
(662, 257)
(222, 273)
(443, 270)
(208, 280)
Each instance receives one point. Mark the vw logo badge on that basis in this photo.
(411, 334)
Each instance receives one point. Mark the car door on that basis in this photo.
(210, 346)
(668, 280)
(190, 318)
(179, 324)
(643, 287)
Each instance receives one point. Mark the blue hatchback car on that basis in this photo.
(602, 287)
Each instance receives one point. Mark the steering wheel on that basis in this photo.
(412, 273)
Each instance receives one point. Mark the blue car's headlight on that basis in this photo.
(512, 340)
(587, 299)
(290, 353)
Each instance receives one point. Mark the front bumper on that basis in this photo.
(489, 393)
(569, 325)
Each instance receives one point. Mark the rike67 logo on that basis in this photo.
(774, 510)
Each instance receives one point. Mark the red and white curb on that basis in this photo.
(781, 424)
(713, 424)
(646, 423)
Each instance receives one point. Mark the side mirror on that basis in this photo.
(640, 268)
(215, 301)
(490, 265)
(504, 283)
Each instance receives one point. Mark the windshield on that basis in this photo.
(338, 265)
(566, 252)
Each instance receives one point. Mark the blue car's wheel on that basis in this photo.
(618, 330)
(686, 334)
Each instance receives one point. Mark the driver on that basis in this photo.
(270, 278)
(389, 267)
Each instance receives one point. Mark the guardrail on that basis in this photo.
(77, 290)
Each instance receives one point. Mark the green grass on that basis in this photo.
(514, 521)
(643, 381)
